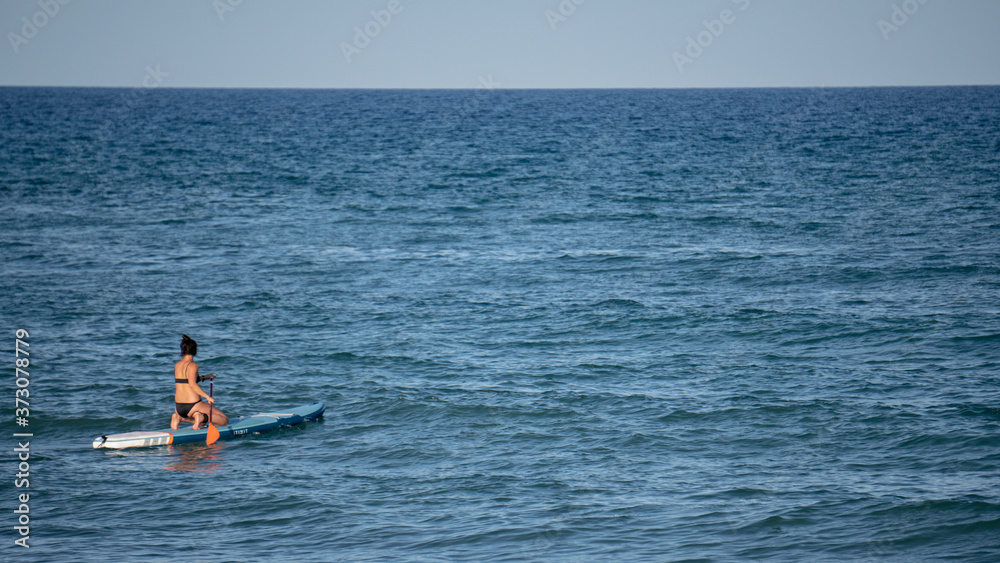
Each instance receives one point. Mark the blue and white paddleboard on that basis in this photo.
(237, 427)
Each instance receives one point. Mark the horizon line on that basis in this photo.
(405, 88)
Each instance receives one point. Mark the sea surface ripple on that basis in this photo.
(643, 325)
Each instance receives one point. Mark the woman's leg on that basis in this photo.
(219, 419)
(199, 413)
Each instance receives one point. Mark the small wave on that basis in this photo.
(557, 218)
(774, 523)
(603, 367)
(462, 209)
(205, 309)
(930, 508)
(977, 338)
(492, 173)
(739, 493)
(619, 304)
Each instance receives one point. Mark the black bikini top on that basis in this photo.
(184, 380)
(198, 378)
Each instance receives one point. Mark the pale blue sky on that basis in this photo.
(508, 43)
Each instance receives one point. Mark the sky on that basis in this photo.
(499, 43)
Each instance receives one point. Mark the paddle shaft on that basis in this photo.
(212, 434)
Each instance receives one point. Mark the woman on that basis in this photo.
(188, 395)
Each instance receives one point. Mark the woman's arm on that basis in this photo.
(193, 382)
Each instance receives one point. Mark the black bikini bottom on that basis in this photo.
(184, 409)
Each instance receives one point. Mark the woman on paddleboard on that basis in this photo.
(188, 394)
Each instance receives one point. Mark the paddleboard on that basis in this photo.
(255, 424)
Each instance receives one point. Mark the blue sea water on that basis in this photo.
(654, 325)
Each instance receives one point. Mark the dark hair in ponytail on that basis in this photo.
(188, 346)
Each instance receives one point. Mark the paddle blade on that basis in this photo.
(213, 435)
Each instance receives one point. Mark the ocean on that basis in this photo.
(566, 325)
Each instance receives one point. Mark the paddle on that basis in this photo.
(213, 432)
